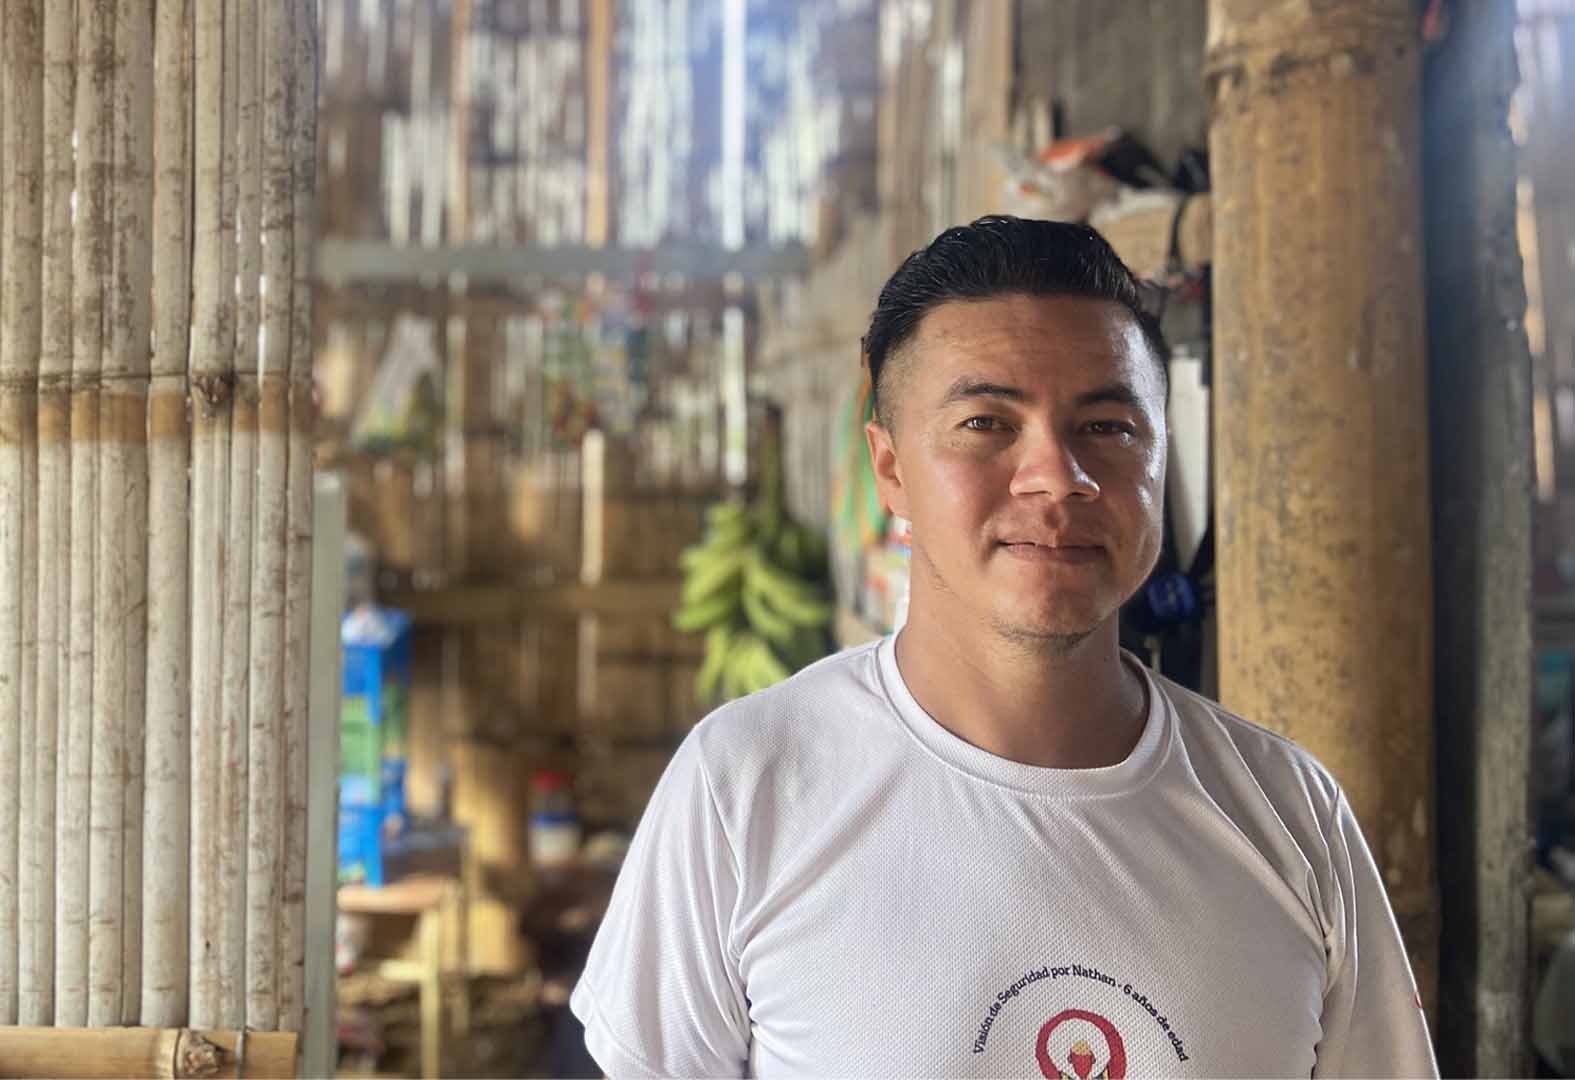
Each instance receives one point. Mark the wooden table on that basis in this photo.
(432, 900)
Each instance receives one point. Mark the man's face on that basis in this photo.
(1028, 451)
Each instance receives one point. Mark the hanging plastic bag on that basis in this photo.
(402, 410)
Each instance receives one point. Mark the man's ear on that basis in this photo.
(888, 474)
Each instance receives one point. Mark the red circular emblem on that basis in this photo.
(1080, 1059)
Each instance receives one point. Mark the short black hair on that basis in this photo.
(1000, 255)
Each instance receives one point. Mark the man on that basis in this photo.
(994, 844)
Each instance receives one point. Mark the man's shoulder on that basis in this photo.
(799, 738)
(1221, 741)
(815, 702)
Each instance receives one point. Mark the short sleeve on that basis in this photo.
(1373, 1023)
(661, 994)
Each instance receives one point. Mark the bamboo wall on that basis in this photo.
(942, 87)
(155, 508)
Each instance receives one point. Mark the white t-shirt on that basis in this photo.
(827, 882)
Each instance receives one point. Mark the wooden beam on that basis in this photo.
(480, 605)
(989, 73)
(1480, 376)
(598, 80)
(341, 261)
(458, 230)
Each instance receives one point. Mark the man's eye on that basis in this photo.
(982, 423)
(1111, 427)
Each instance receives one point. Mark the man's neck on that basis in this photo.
(1080, 709)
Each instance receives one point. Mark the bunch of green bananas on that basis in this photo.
(755, 586)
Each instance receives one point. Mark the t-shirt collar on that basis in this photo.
(1138, 767)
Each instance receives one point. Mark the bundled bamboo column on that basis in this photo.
(298, 525)
(166, 807)
(123, 553)
(153, 618)
(85, 870)
(265, 849)
(212, 355)
(1325, 579)
(37, 977)
(20, 333)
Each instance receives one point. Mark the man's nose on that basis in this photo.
(1049, 466)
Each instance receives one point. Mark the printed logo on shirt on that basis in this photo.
(1078, 1038)
(1076, 1044)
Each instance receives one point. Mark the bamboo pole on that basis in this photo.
(107, 791)
(11, 797)
(166, 819)
(20, 223)
(212, 348)
(161, 1053)
(29, 925)
(24, 239)
(266, 824)
(37, 977)
(124, 552)
(1325, 576)
(239, 204)
(298, 526)
(84, 873)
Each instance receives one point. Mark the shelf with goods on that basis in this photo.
(486, 531)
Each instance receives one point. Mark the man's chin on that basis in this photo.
(1058, 633)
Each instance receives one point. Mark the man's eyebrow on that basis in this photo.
(969, 386)
(1116, 393)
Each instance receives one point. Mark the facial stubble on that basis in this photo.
(1051, 644)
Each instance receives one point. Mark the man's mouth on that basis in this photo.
(1054, 552)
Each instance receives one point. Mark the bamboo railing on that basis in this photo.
(161, 1053)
